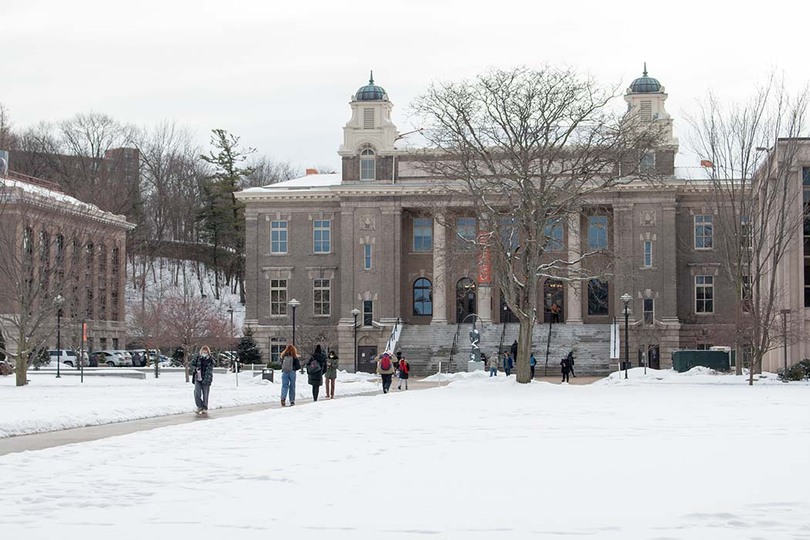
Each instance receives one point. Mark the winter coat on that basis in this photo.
(532, 361)
(332, 363)
(493, 361)
(514, 349)
(388, 371)
(316, 377)
(404, 369)
(565, 366)
(206, 366)
(508, 363)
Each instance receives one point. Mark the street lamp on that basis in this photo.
(355, 313)
(293, 304)
(626, 299)
(230, 311)
(59, 300)
(785, 312)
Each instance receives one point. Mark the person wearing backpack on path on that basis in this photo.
(404, 371)
(331, 373)
(315, 370)
(532, 364)
(385, 368)
(202, 369)
(289, 365)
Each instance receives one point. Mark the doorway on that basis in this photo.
(367, 358)
(506, 314)
(653, 357)
(553, 293)
(465, 299)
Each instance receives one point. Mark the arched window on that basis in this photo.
(422, 297)
(368, 164)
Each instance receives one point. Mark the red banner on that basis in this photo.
(484, 260)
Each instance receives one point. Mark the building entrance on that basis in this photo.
(553, 294)
(367, 358)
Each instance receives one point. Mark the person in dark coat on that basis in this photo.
(565, 367)
(514, 351)
(404, 371)
(571, 362)
(316, 367)
(332, 363)
(201, 368)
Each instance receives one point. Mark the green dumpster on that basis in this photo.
(687, 359)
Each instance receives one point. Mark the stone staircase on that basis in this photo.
(429, 347)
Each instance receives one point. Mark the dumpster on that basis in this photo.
(687, 359)
(267, 374)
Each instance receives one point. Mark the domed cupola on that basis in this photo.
(371, 92)
(645, 84)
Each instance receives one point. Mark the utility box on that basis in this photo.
(267, 374)
(687, 359)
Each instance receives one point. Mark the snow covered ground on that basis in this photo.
(48, 403)
(706, 457)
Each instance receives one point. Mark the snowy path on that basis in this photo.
(477, 459)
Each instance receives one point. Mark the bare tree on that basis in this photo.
(264, 171)
(8, 139)
(527, 149)
(752, 148)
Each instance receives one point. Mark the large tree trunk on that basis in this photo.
(524, 373)
(21, 371)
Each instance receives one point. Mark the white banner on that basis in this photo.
(615, 346)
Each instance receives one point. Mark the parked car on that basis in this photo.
(67, 356)
(128, 360)
(111, 358)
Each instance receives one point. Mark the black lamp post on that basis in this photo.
(355, 313)
(293, 304)
(58, 301)
(626, 299)
(230, 311)
(785, 313)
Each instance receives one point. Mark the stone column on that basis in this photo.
(573, 297)
(439, 275)
(668, 307)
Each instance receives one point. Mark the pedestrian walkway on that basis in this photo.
(50, 439)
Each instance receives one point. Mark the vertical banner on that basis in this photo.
(615, 346)
(484, 260)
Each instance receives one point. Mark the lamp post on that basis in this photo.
(785, 312)
(230, 311)
(626, 299)
(58, 301)
(293, 304)
(355, 313)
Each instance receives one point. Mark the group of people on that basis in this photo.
(566, 364)
(320, 368)
(387, 367)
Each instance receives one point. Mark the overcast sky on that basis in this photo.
(280, 74)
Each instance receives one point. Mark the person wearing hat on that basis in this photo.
(385, 368)
(404, 371)
(331, 374)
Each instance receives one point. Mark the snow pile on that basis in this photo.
(697, 375)
(461, 376)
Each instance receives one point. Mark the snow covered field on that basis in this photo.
(669, 456)
(48, 404)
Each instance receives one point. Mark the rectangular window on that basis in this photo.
(647, 162)
(597, 232)
(368, 118)
(510, 237)
(806, 176)
(278, 297)
(745, 232)
(704, 294)
(276, 346)
(366, 256)
(278, 237)
(554, 237)
(649, 311)
(703, 232)
(368, 312)
(422, 235)
(466, 233)
(368, 164)
(597, 297)
(648, 254)
(321, 297)
(322, 235)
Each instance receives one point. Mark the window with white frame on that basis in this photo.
(422, 297)
(368, 164)
(648, 258)
(554, 237)
(367, 257)
(422, 235)
(649, 311)
(704, 232)
(278, 297)
(368, 312)
(466, 233)
(704, 294)
(278, 237)
(321, 297)
(322, 235)
(276, 347)
(597, 232)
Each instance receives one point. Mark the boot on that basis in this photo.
(283, 402)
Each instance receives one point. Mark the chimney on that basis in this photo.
(312, 171)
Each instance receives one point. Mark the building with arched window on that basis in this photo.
(394, 257)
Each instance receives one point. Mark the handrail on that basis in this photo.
(454, 347)
(394, 339)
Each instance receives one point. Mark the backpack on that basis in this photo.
(287, 364)
(313, 367)
(385, 363)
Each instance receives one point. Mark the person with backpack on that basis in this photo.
(315, 370)
(290, 364)
(565, 367)
(493, 365)
(532, 363)
(385, 368)
(202, 371)
(404, 371)
(331, 373)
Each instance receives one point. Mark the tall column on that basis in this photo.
(439, 276)
(573, 297)
(669, 284)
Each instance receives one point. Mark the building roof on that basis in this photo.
(645, 84)
(370, 92)
(309, 181)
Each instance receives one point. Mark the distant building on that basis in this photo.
(361, 240)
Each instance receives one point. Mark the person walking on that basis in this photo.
(565, 368)
(507, 363)
(332, 363)
(493, 365)
(290, 364)
(404, 371)
(532, 364)
(202, 369)
(385, 368)
(571, 362)
(555, 313)
(316, 367)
